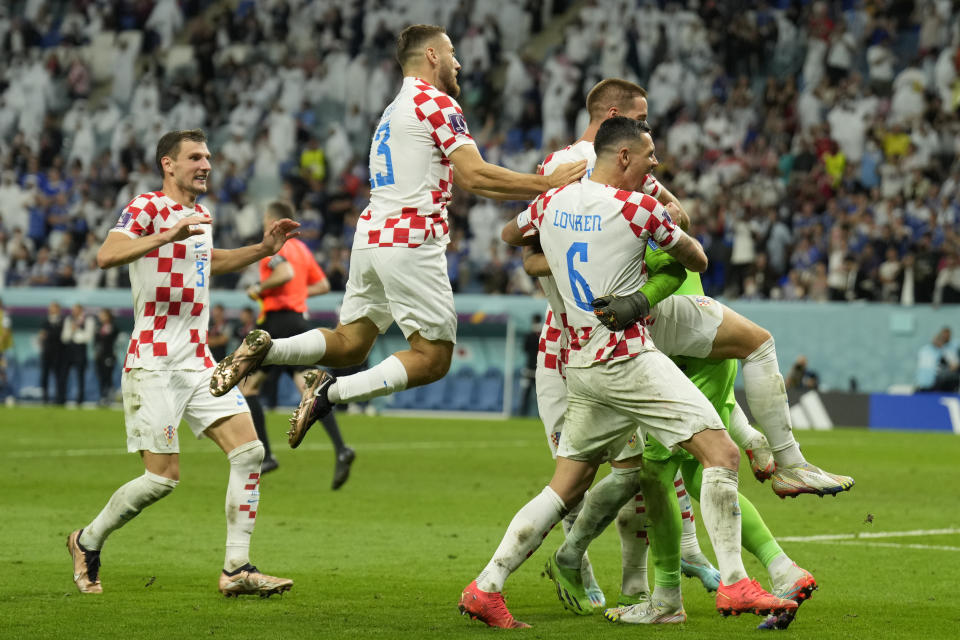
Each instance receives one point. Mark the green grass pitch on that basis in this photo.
(387, 555)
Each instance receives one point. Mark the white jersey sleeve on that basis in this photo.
(171, 288)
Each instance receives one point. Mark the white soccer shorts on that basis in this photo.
(685, 325)
(408, 286)
(609, 403)
(155, 401)
(552, 404)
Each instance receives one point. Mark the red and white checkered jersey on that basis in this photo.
(171, 288)
(594, 237)
(411, 176)
(553, 344)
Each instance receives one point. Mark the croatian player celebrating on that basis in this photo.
(398, 271)
(594, 234)
(165, 237)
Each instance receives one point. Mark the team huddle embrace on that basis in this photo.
(635, 370)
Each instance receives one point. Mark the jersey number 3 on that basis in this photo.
(578, 284)
(382, 178)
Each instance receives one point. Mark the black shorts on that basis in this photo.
(284, 324)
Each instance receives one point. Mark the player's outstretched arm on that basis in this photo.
(513, 235)
(227, 260)
(473, 173)
(119, 248)
(689, 252)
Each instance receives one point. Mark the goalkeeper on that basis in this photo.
(715, 378)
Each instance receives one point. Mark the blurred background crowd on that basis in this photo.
(815, 144)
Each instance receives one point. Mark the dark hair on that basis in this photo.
(414, 38)
(279, 209)
(169, 144)
(612, 92)
(616, 130)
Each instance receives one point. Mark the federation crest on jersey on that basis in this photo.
(702, 301)
(458, 123)
(169, 432)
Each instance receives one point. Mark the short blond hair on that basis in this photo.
(612, 92)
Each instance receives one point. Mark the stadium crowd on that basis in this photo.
(815, 144)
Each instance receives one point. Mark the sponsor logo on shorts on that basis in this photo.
(702, 301)
(240, 399)
(169, 432)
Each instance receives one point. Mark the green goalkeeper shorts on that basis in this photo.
(715, 380)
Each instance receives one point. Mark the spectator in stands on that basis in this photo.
(77, 335)
(938, 364)
(6, 330)
(52, 359)
(104, 354)
(800, 377)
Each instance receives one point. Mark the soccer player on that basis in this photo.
(165, 237)
(699, 327)
(594, 234)
(286, 281)
(420, 148)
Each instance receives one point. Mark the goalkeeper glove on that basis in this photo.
(619, 312)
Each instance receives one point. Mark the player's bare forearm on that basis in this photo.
(227, 260)
(534, 262)
(512, 235)
(474, 174)
(119, 248)
(689, 252)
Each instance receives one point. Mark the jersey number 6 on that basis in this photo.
(382, 178)
(578, 283)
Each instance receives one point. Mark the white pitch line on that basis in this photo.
(440, 445)
(893, 545)
(870, 534)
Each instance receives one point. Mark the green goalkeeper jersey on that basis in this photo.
(714, 378)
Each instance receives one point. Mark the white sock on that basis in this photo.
(741, 432)
(243, 498)
(767, 398)
(781, 571)
(304, 348)
(524, 535)
(125, 503)
(720, 508)
(689, 545)
(586, 569)
(383, 379)
(632, 526)
(600, 508)
(669, 596)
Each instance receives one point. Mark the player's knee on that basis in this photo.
(247, 455)
(159, 486)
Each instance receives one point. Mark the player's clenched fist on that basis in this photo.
(619, 312)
